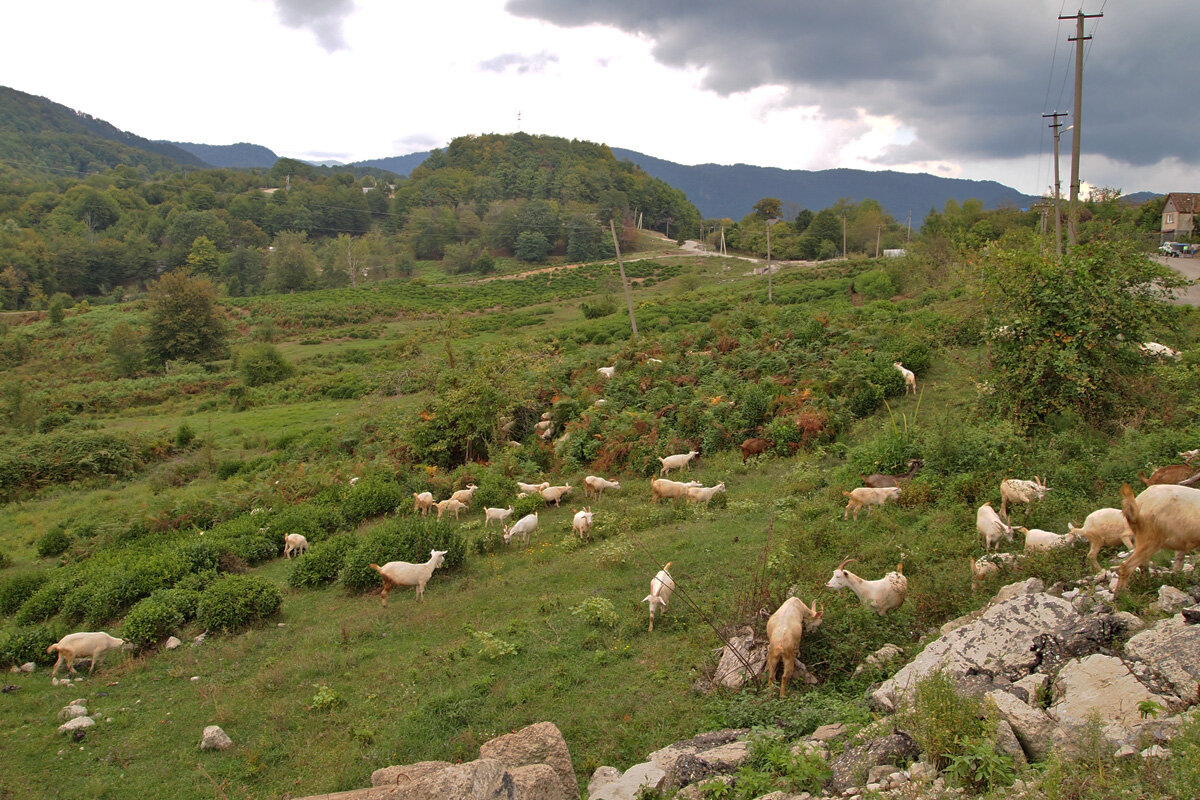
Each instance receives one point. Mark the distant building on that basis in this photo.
(1178, 215)
(898, 252)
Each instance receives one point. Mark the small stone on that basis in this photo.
(72, 711)
(214, 738)
(28, 666)
(172, 643)
(194, 679)
(1156, 751)
(77, 724)
(199, 639)
(1125, 751)
(827, 732)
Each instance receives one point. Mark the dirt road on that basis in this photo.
(1188, 268)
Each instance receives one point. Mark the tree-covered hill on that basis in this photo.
(242, 155)
(41, 136)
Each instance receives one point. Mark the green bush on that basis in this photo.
(942, 721)
(28, 643)
(875, 284)
(184, 436)
(43, 603)
(322, 563)
(315, 520)
(5, 561)
(405, 539)
(16, 589)
(149, 622)
(261, 364)
(53, 542)
(184, 600)
(232, 602)
(371, 497)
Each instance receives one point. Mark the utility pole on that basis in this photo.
(843, 234)
(878, 233)
(624, 283)
(908, 235)
(770, 294)
(1076, 116)
(1055, 125)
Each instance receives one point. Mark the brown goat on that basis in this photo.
(754, 447)
(880, 481)
(1162, 517)
(1173, 473)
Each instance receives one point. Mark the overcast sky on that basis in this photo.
(950, 87)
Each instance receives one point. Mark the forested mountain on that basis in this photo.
(242, 155)
(730, 191)
(40, 135)
(401, 165)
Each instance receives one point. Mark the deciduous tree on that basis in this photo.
(185, 322)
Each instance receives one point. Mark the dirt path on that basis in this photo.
(1188, 268)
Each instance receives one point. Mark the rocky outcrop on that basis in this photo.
(1170, 648)
(542, 743)
(743, 659)
(852, 768)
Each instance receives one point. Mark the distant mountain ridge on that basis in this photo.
(242, 155)
(732, 191)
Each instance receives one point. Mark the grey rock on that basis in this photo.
(407, 773)
(539, 782)
(28, 666)
(634, 779)
(851, 768)
(483, 779)
(76, 724)
(999, 642)
(541, 743)
(826, 733)
(1170, 648)
(72, 711)
(1007, 742)
(1171, 599)
(214, 738)
(602, 776)
(1102, 686)
(1036, 732)
(1156, 751)
(885, 654)
(171, 643)
(664, 758)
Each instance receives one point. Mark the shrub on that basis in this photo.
(875, 284)
(149, 622)
(43, 603)
(406, 539)
(184, 436)
(53, 542)
(371, 497)
(596, 611)
(322, 563)
(16, 589)
(261, 364)
(28, 643)
(182, 599)
(232, 602)
(942, 721)
(5, 561)
(314, 520)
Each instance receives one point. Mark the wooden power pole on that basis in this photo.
(1078, 39)
(1055, 125)
(624, 283)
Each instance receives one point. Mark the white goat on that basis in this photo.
(678, 461)
(294, 543)
(882, 595)
(1016, 491)
(595, 485)
(869, 497)
(1104, 527)
(1157, 350)
(465, 496)
(910, 380)
(498, 514)
(449, 504)
(423, 502)
(554, 494)
(402, 573)
(1038, 539)
(1163, 517)
(662, 488)
(91, 645)
(582, 523)
(785, 628)
(662, 586)
(545, 428)
(522, 528)
(607, 372)
(701, 494)
(991, 527)
(532, 488)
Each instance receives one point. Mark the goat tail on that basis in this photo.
(376, 567)
(845, 494)
(900, 568)
(1129, 508)
(52, 648)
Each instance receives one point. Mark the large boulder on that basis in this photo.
(631, 783)
(1170, 648)
(999, 642)
(538, 782)
(406, 774)
(541, 743)
(1100, 687)
(1037, 733)
(484, 779)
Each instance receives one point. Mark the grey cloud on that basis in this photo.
(521, 63)
(322, 17)
(971, 79)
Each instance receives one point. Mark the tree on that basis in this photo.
(185, 322)
(125, 350)
(203, 258)
(1065, 334)
(768, 208)
(531, 246)
(293, 264)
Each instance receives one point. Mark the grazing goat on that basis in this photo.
(877, 480)
(465, 496)
(294, 543)
(595, 485)
(1173, 473)
(869, 497)
(1038, 539)
(555, 494)
(1164, 517)
(1015, 491)
(784, 631)
(498, 514)
(522, 528)
(991, 527)
(1190, 455)
(679, 461)
(449, 504)
(910, 380)
(402, 573)
(662, 488)
(91, 645)
(701, 494)
(1157, 350)
(532, 488)
(545, 428)
(424, 502)
(582, 523)
(662, 586)
(754, 447)
(882, 595)
(1104, 527)
(607, 372)
(980, 570)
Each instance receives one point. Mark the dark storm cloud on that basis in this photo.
(322, 17)
(970, 78)
(521, 64)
